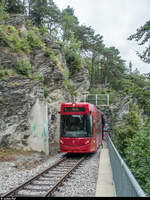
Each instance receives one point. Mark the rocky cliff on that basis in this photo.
(29, 103)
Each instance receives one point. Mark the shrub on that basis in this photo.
(137, 157)
(38, 77)
(34, 40)
(19, 41)
(9, 36)
(1, 100)
(46, 91)
(124, 133)
(24, 67)
(4, 72)
(72, 54)
(49, 53)
(74, 61)
(3, 14)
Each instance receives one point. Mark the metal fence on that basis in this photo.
(125, 183)
(97, 99)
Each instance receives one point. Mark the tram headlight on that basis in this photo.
(87, 142)
(61, 142)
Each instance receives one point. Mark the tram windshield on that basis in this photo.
(76, 126)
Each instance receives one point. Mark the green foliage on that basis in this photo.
(37, 77)
(38, 11)
(85, 35)
(49, 53)
(4, 71)
(53, 18)
(10, 37)
(113, 67)
(69, 23)
(73, 61)
(69, 87)
(97, 91)
(19, 41)
(66, 74)
(34, 39)
(124, 133)
(14, 6)
(24, 67)
(142, 35)
(137, 157)
(46, 91)
(132, 141)
(138, 87)
(111, 93)
(71, 90)
(72, 55)
(1, 100)
(67, 83)
(43, 30)
(3, 14)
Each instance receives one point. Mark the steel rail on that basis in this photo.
(64, 177)
(49, 191)
(21, 186)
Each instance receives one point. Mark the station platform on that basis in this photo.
(105, 186)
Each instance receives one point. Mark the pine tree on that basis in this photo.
(14, 6)
(69, 23)
(130, 67)
(143, 37)
(38, 11)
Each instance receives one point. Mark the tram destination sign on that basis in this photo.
(74, 109)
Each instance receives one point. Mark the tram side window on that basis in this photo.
(98, 126)
(91, 126)
(62, 124)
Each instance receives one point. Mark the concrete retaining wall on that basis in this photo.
(39, 137)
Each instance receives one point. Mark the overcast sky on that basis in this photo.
(115, 20)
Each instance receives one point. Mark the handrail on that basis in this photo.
(125, 183)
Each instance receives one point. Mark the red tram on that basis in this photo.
(80, 128)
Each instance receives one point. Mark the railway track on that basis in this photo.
(48, 181)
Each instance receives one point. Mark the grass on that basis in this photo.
(8, 154)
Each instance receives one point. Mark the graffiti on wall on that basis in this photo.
(45, 133)
(33, 130)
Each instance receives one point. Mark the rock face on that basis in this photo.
(29, 119)
(120, 109)
(18, 95)
(80, 81)
(52, 73)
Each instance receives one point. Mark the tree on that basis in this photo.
(72, 55)
(92, 46)
(53, 18)
(96, 48)
(85, 35)
(14, 6)
(38, 11)
(143, 36)
(112, 65)
(3, 13)
(130, 67)
(137, 156)
(69, 23)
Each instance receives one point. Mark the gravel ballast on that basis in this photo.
(81, 183)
